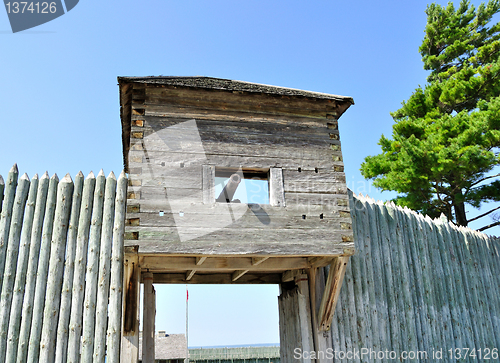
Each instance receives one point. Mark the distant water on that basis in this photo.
(237, 346)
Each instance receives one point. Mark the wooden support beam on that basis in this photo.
(200, 260)
(217, 278)
(178, 263)
(258, 260)
(237, 274)
(148, 335)
(190, 274)
(319, 261)
(131, 302)
(331, 292)
(304, 312)
(290, 275)
(311, 274)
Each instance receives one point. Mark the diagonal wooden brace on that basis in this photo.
(331, 292)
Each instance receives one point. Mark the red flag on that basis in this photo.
(187, 295)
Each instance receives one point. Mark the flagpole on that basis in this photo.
(187, 340)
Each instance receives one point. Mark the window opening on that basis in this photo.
(241, 186)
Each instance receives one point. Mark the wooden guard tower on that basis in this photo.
(182, 136)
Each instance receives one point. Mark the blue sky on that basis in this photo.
(60, 105)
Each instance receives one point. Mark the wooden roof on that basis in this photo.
(231, 85)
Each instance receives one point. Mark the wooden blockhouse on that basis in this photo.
(277, 148)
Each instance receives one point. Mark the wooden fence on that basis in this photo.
(61, 266)
(417, 285)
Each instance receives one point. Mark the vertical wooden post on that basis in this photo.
(23, 335)
(82, 241)
(131, 286)
(116, 277)
(91, 278)
(148, 333)
(311, 274)
(41, 278)
(56, 270)
(67, 287)
(22, 267)
(11, 260)
(101, 314)
(7, 205)
(304, 305)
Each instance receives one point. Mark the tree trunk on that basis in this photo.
(460, 217)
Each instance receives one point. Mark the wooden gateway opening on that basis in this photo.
(180, 136)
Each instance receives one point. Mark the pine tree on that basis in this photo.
(446, 136)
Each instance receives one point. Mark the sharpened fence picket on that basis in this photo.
(45, 225)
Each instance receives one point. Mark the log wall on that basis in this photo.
(418, 285)
(61, 296)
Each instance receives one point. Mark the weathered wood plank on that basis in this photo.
(77, 298)
(474, 291)
(156, 97)
(449, 284)
(6, 216)
(215, 278)
(69, 266)
(453, 244)
(166, 263)
(101, 313)
(228, 160)
(208, 179)
(317, 175)
(41, 279)
(328, 200)
(331, 292)
(91, 277)
(19, 348)
(470, 297)
(230, 241)
(442, 307)
(200, 114)
(195, 207)
(56, 270)
(399, 299)
(362, 238)
(431, 318)
(314, 187)
(313, 220)
(131, 301)
(276, 189)
(21, 273)
(491, 283)
(322, 154)
(483, 285)
(319, 247)
(392, 332)
(148, 334)
(225, 137)
(11, 260)
(116, 278)
(409, 257)
(240, 123)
